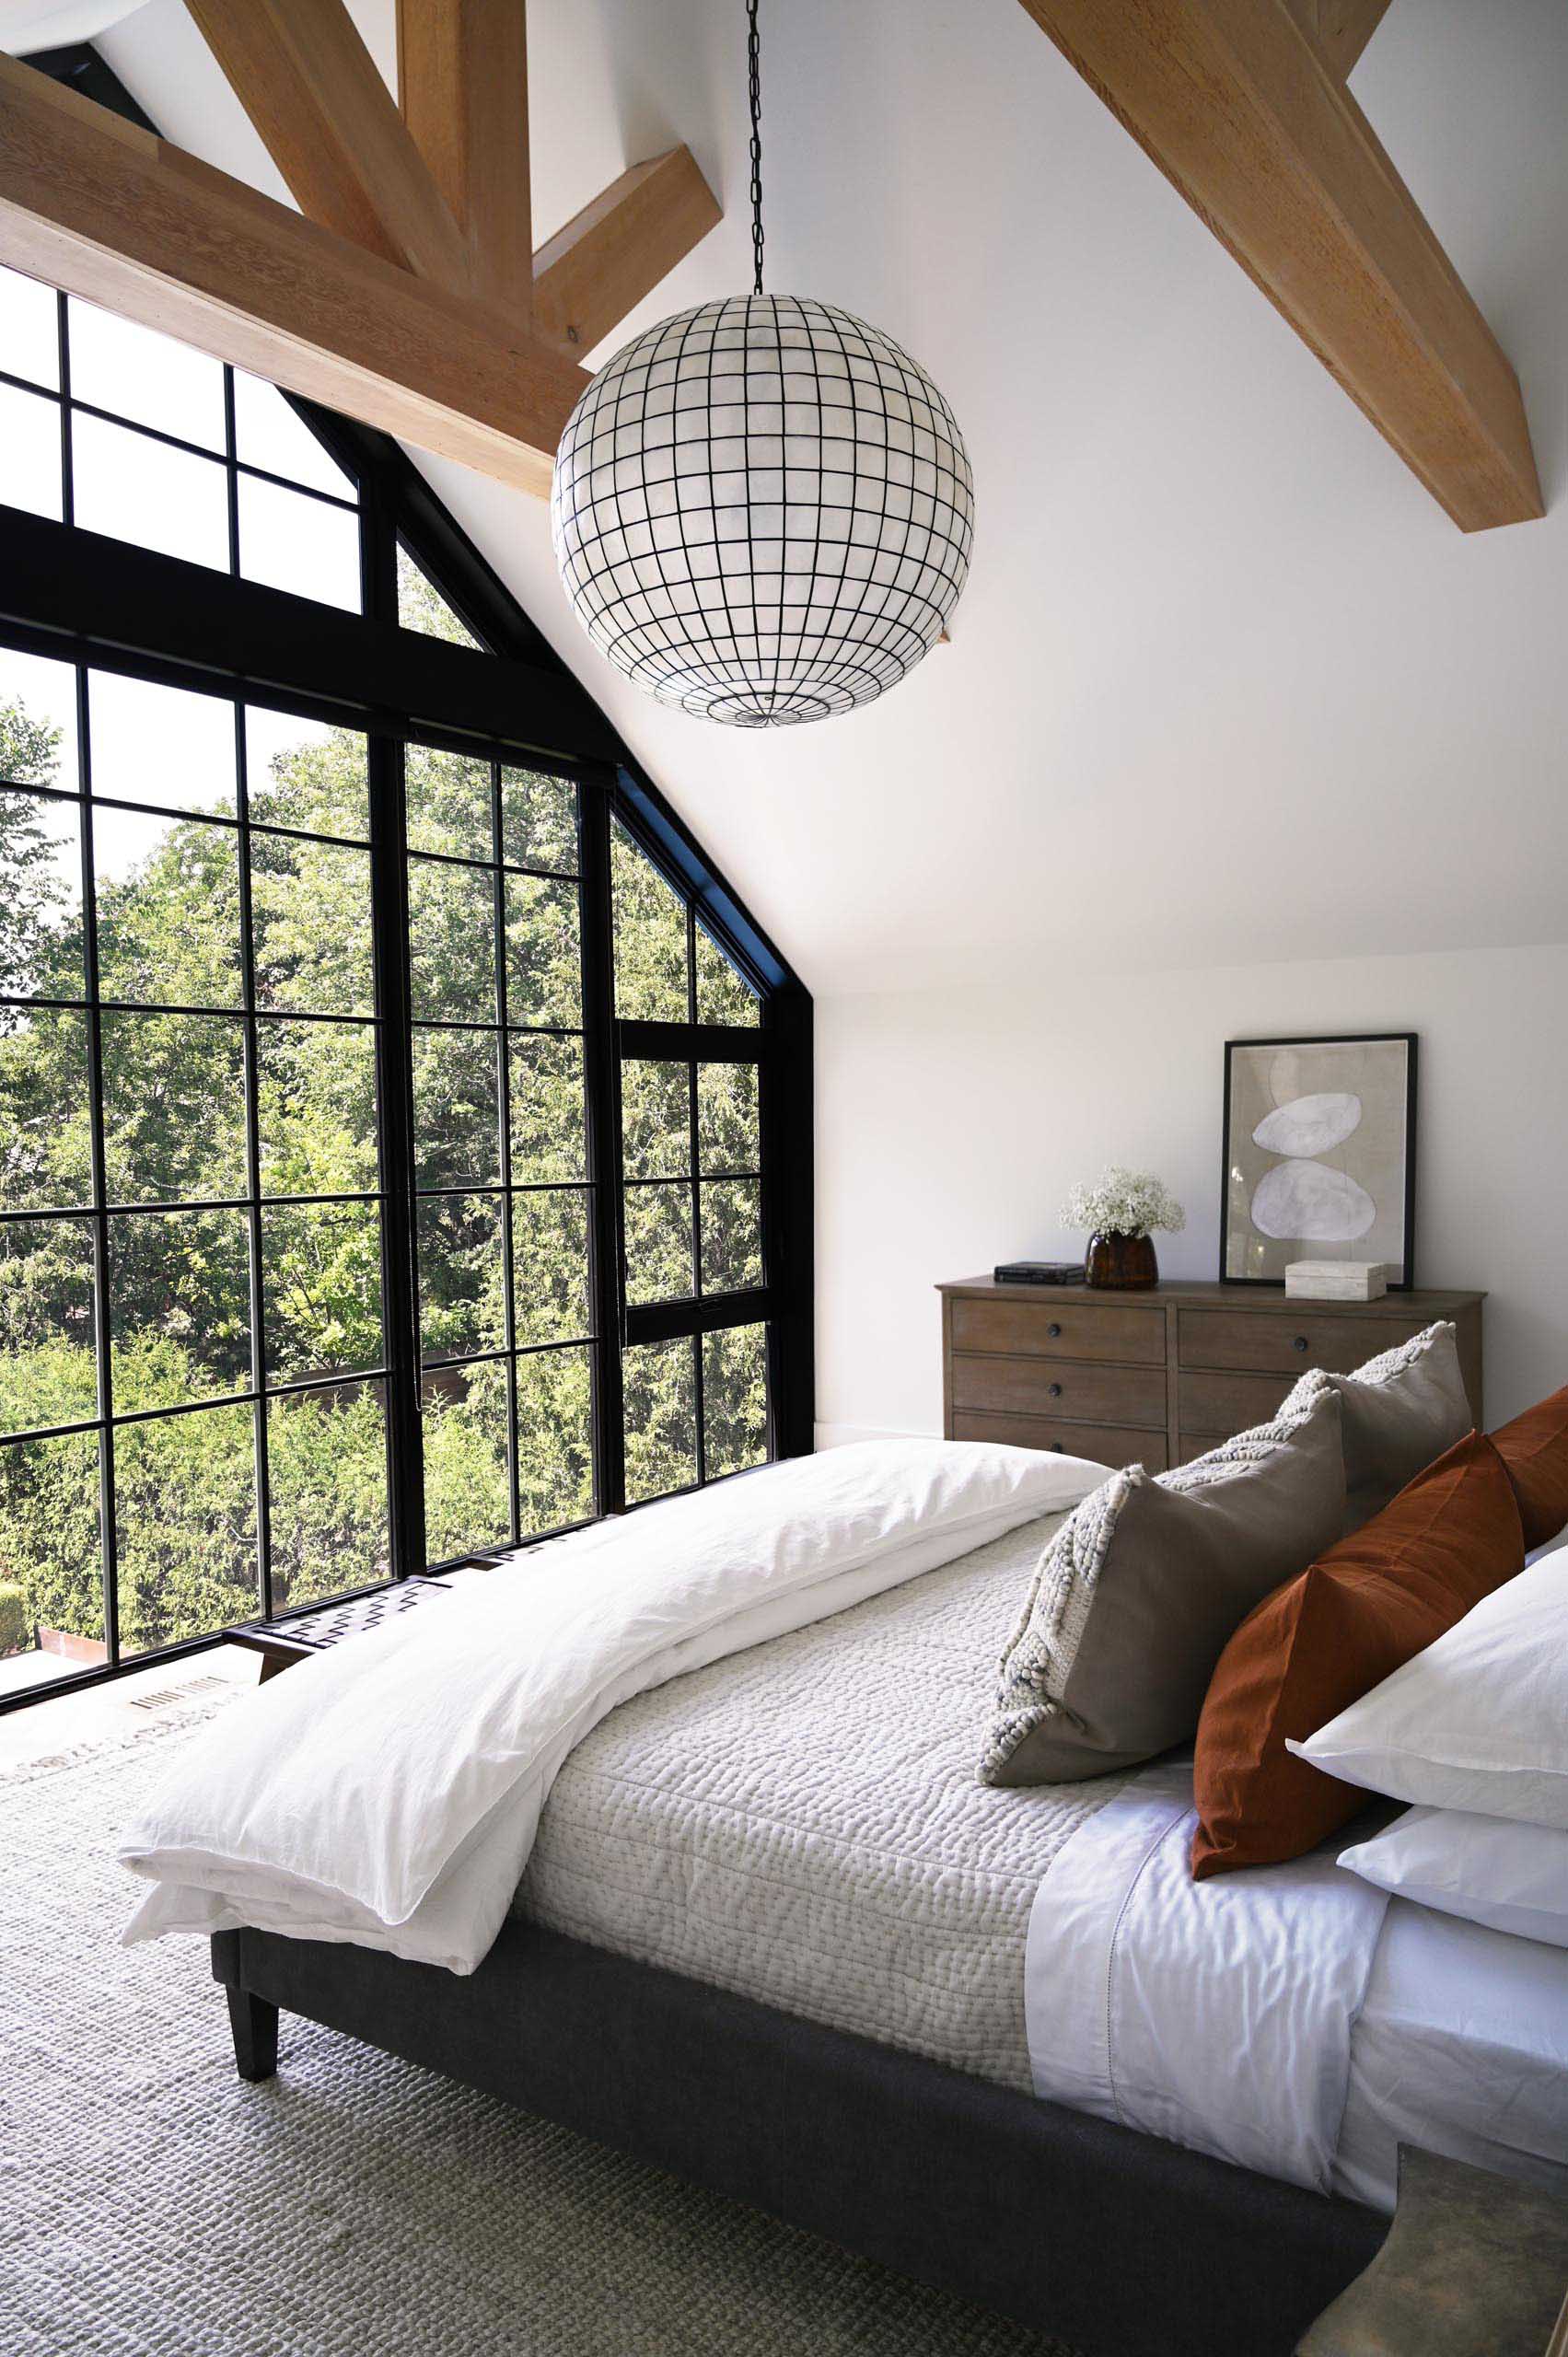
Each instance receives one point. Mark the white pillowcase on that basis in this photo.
(1479, 1720)
(1486, 1869)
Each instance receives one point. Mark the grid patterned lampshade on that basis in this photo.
(763, 511)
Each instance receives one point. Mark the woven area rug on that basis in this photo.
(154, 2205)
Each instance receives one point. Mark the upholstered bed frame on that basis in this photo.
(1122, 2245)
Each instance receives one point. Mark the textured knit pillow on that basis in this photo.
(1399, 1410)
(1373, 1603)
(1136, 1595)
(1533, 1448)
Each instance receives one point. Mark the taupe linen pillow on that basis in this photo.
(1397, 1413)
(1141, 1590)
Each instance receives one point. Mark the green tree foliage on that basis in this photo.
(169, 931)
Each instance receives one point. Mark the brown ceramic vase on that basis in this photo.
(1121, 1263)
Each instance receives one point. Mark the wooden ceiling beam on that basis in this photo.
(596, 270)
(463, 89)
(99, 207)
(1243, 114)
(329, 123)
(1341, 28)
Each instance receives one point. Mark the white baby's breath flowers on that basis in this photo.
(1123, 1202)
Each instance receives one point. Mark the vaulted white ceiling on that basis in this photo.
(1226, 685)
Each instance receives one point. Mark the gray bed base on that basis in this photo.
(1118, 2243)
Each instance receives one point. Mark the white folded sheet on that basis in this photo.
(386, 1792)
(1216, 2014)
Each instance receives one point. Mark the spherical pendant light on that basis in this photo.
(763, 511)
(762, 508)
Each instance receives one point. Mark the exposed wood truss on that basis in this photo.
(1242, 105)
(403, 291)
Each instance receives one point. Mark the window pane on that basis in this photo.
(660, 1394)
(41, 896)
(728, 1137)
(178, 1307)
(538, 821)
(47, 1371)
(732, 1235)
(161, 745)
(457, 1108)
(29, 328)
(655, 1120)
(659, 1243)
(310, 925)
(321, 1289)
(268, 433)
(302, 773)
(722, 996)
(45, 1137)
(468, 1495)
(550, 1265)
(135, 372)
(555, 1462)
(185, 1521)
(735, 1400)
(31, 473)
(50, 1569)
(317, 1107)
(547, 1117)
(126, 485)
(544, 975)
(650, 937)
(422, 607)
(450, 806)
(327, 1493)
(452, 942)
(38, 721)
(167, 909)
(292, 542)
(173, 1106)
(461, 1275)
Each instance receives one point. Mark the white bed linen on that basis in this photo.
(388, 1791)
(1215, 2013)
(1462, 2048)
(1283, 2018)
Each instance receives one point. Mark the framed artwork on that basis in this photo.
(1319, 1154)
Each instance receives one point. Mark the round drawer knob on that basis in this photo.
(1058, 1446)
(1053, 1391)
(1053, 1332)
(1299, 1342)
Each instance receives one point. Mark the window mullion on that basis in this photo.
(394, 1098)
(503, 1101)
(251, 1082)
(109, 1568)
(602, 1076)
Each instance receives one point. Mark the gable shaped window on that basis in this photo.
(405, 1136)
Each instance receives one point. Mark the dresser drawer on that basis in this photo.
(1061, 1329)
(1229, 1404)
(1112, 1444)
(1287, 1342)
(1064, 1387)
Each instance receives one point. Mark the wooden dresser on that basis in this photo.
(1157, 1378)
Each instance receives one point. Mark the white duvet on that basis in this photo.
(388, 1791)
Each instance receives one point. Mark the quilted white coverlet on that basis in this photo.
(388, 1791)
(804, 1823)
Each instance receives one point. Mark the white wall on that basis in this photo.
(950, 1125)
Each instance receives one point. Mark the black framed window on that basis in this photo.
(404, 1132)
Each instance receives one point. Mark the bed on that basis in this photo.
(776, 1936)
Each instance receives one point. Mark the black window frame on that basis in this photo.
(80, 597)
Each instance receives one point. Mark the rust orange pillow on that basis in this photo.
(1324, 1640)
(1533, 1448)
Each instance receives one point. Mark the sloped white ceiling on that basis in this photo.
(1226, 685)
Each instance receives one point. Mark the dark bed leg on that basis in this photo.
(255, 2026)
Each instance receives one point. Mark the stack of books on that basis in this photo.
(1336, 1281)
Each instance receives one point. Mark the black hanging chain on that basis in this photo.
(754, 63)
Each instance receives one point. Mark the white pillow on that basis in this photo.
(1479, 1720)
(1511, 1877)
